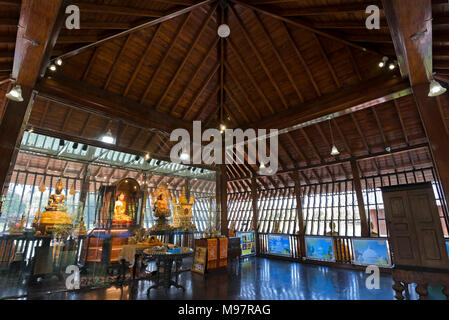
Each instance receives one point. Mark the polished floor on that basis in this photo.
(256, 278)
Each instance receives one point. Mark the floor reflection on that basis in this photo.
(257, 278)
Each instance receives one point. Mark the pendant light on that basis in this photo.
(334, 151)
(108, 138)
(436, 89)
(15, 94)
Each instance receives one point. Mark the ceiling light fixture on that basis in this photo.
(436, 89)
(223, 31)
(52, 67)
(383, 62)
(15, 94)
(222, 127)
(147, 157)
(184, 156)
(392, 65)
(108, 138)
(334, 150)
(59, 62)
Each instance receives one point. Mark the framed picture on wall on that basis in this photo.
(320, 248)
(279, 245)
(371, 252)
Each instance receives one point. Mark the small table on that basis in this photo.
(165, 261)
(131, 253)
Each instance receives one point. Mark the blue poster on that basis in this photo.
(320, 248)
(371, 252)
(279, 244)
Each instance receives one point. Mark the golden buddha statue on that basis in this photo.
(55, 212)
(161, 207)
(120, 209)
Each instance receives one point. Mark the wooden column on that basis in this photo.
(436, 134)
(299, 216)
(410, 22)
(85, 183)
(358, 191)
(38, 29)
(254, 197)
(15, 118)
(255, 221)
(223, 201)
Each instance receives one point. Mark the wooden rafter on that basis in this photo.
(262, 63)
(279, 58)
(165, 56)
(142, 59)
(187, 56)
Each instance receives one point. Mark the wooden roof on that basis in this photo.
(286, 62)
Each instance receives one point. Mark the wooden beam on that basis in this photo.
(356, 158)
(40, 24)
(137, 69)
(279, 58)
(34, 38)
(342, 8)
(117, 10)
(375, 91)
(91, 99)
(360, 203)
(411, 27)
(256, 52)
(165, 57)
(145, 25)
(304, 25)
(299, 215)
(187, 56)
(192, 77)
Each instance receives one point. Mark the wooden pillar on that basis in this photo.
(85, 184)
(255, 221)
(299, 216)
(358, 191)
(436, 133)
(12, 126)
(223, 201)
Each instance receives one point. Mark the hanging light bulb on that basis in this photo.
(184, 156)
(383, 62)
(59, 62)
(15, 94)
(335, 151)
(392, 65)
(147, 157)
(223, 31)
(436, 89)
(108, 138)
(222, 127)
(52, 67)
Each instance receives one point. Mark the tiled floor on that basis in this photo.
(261, 279)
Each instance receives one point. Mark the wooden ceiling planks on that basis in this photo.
(279, 67)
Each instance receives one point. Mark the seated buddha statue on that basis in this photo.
(56, 202)
(55, 213)
(160, 206)
(120, 209)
